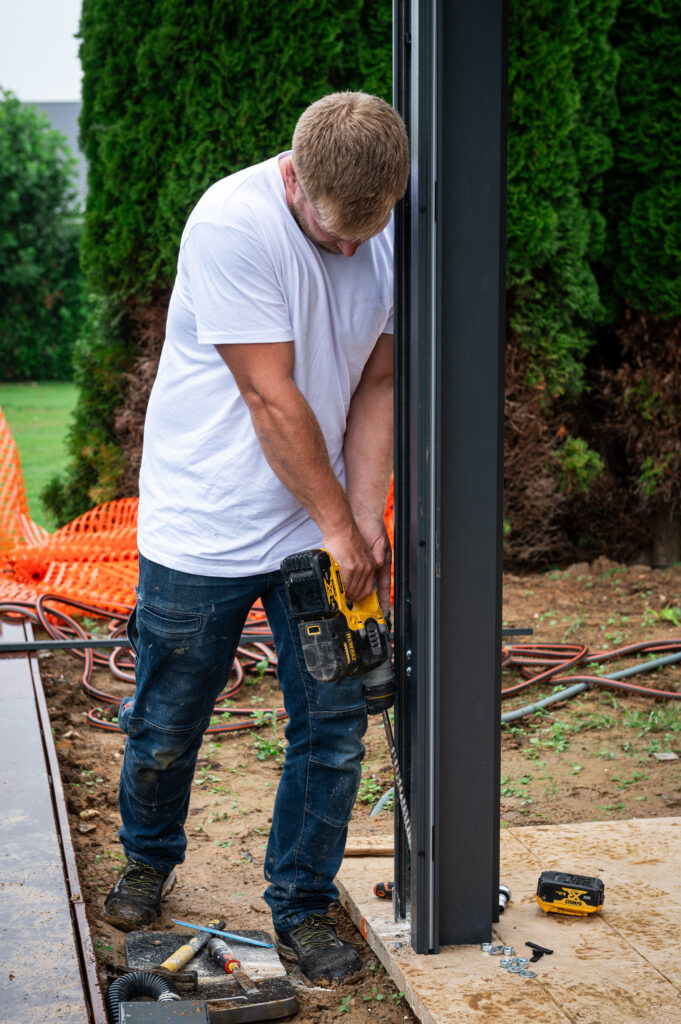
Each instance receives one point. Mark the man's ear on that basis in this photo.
(290, 174)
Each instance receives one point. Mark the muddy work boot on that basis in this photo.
(135, 900)
(318, 950)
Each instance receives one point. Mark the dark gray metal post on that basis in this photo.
(450, 86)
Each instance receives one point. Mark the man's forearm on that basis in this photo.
(368, 449)
(368, 454)
(294, 446)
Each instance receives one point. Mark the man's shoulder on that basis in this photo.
(239, 201)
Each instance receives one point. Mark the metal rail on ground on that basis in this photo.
(45, 942)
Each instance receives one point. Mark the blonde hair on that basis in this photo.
(351, 159)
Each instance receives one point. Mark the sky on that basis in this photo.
(38, 51)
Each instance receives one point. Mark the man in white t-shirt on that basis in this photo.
(269, 431)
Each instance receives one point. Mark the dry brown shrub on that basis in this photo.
(149, 332)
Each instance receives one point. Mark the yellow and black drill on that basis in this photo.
(344, 638)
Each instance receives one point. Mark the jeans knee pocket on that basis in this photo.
(168, 624)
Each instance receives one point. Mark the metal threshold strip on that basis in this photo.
(44, 934)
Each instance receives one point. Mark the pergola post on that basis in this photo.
(450, 86)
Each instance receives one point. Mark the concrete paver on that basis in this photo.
(620, 966)
(40, 978)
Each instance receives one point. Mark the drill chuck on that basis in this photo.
(379, 688)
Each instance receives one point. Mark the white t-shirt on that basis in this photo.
(209, 502)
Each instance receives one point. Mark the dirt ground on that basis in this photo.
(594, 757)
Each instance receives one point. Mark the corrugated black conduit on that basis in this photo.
(134, 984)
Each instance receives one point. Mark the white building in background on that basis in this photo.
(63, 117)
(39, 63)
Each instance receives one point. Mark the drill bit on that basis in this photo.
(399, 785)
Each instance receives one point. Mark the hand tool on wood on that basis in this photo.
(344, 638)
(220, 952)
(185, 953)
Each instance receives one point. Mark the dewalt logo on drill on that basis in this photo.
(330, 592)
(350, 651)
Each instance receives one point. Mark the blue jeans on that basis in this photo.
(185, 630)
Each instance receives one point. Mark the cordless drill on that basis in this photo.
(343, 638)
(339, 637)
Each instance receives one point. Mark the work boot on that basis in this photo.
(314, 943)
(135, 900)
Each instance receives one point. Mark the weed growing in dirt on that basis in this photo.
(207, 779)
(554, 737)
(370, 791)
(575, 625)
(552, 785)
(220, 718)
(670, 614)
(612, 808)
(518, 789)
(624, 783)
(217, 816)
(267, 746)
(90, 780)
(345, 1005)
(374, 996)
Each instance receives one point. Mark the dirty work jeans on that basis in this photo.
(185, 630)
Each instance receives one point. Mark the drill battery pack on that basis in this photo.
(339, 638)
(560, 893)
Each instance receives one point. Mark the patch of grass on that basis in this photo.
(656, 720)
(38, 416)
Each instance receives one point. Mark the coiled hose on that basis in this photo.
(134, 984)
(50, 611)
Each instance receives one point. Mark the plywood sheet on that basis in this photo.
(609, 968)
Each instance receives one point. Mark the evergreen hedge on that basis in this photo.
(637, 377)
(644, 190)
(561, 110)
(40, 279)
(177, 94)
(561, 92)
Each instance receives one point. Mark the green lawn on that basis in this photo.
(39, 416)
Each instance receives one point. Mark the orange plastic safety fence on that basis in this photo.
(16, 527)
(92, 559)
(389, 519)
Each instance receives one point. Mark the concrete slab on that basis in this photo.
(41, 977)
(620, 966)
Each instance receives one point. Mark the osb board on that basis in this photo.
(620, 966)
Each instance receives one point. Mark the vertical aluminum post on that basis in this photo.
(450, 84)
